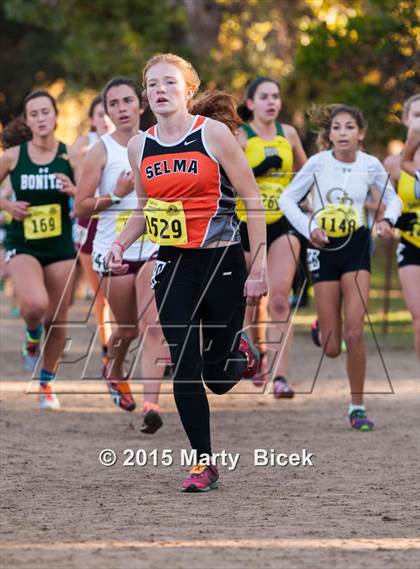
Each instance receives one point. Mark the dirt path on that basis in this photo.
(357, 506)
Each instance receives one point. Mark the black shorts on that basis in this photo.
(339, 257)
(274, 231)
(43, 261)
(407, 254)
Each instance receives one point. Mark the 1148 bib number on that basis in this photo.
(338, 220)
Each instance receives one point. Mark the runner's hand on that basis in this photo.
(114, 260)
(18, 210)
(66, 185)
(125, 184)
(384, 230)
(319, 238)
(255, 287)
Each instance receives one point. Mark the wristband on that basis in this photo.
(120, 244)
(114, 198)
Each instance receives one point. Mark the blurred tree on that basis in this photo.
(365, 56)
(82, 41)
(358, 51)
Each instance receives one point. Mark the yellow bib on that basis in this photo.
(121, 222)
(165, 222)
(273, 182)
(411, 204)
(338, 220)
(44, 222)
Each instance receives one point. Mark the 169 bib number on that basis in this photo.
(44, 222)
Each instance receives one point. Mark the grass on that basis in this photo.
(393, 328)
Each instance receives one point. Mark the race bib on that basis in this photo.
(270, 194)
(338, 220)
(121, 221)
(413, 234)
(44, 222)
(165, 222)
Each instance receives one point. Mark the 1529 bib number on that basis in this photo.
(44, 222)
(165, 222)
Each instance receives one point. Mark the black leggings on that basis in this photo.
(199, 294)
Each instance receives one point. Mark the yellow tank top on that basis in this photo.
(273, 182)
(409, 191)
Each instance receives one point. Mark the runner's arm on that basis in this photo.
(295, 192)
(86, 203)
(299, 154)
(227, 151)
(380, 179)
(135, 226)
(411, 146)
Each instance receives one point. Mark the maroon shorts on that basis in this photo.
(85, 231)
(99, 265)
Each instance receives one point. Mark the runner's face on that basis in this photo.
(100, 120)
(345, 134)
(40, 116)
(413, 115)
(123, 107)
(166, 88)
(266, 104)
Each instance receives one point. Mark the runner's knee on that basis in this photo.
(353, 338)
(33, 308)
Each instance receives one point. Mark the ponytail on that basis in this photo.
(220, 106)
(16, 132)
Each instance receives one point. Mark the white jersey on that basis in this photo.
(111, 220)
(93, 138)
(336, 183)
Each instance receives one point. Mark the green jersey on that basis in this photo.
(47, 232)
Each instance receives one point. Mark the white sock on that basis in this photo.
(356, 408)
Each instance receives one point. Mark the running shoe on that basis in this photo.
(252, 356)
(201, 479)
(30, 353)
(315, 333)
(260, 378)
(120, 392)
(48, 400)
(152, 422)
(281, 389)
(359, 420)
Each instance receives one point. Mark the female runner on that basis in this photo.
(185, 168)
(106, 168)
(339, 261)
(39, 244)
(86, 227)
(274, 151)
(408, 188)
